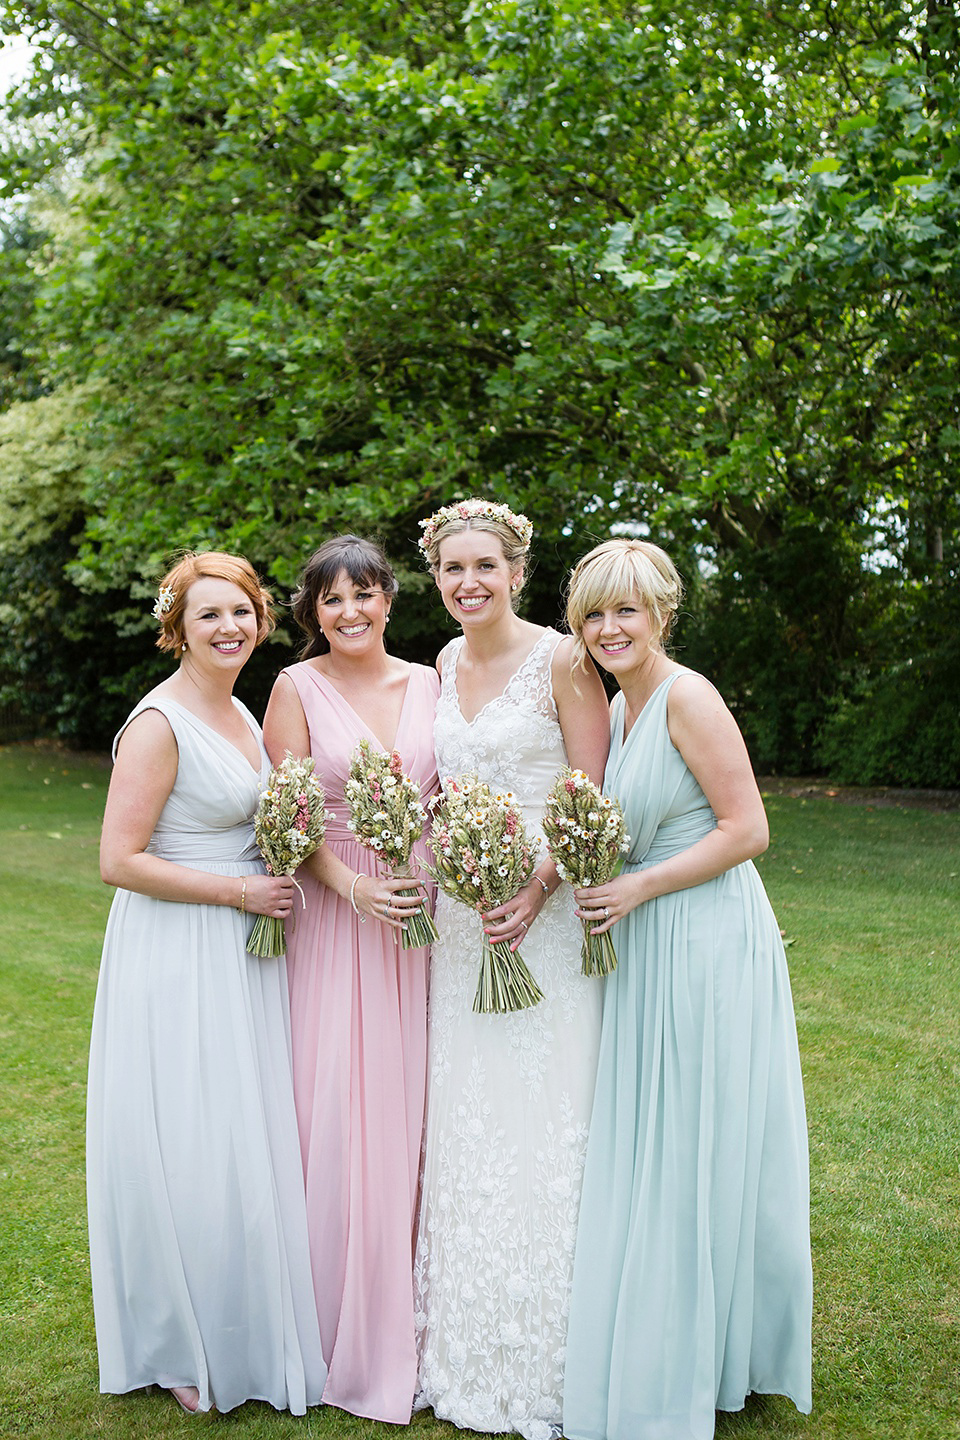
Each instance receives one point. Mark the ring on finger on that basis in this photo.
(606, 912)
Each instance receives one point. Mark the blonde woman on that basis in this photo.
(508, 1096)
(692, 1285)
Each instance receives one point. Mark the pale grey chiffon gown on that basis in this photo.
(198, 1235)
(692, 1282)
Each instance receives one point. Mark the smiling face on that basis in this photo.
(620, 636)
(220, 625)
(474, 577)
(621, 602)
(353, 617)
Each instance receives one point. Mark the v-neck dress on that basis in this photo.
(508, 1103)
(198, 1232)
(692, 1286)
(358, 1005)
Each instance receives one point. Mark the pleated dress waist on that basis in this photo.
(673, 837)
(207, 851)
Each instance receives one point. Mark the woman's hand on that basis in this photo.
(605, 904)
(512, 920)
(379, 896)
(268, 895)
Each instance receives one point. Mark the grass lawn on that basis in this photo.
(870, 903)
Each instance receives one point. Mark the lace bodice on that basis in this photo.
(515, 742)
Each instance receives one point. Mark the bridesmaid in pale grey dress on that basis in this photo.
(692, 1282)
(198, 1234)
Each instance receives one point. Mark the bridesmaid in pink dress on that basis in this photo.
(358, 1000)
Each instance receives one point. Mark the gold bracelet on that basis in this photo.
(242, 907)
(542, 883)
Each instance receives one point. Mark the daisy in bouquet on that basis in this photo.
(290, 823)
(587, 842)
(387, 816)
(483, 857)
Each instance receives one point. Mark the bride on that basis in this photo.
(509, 1096)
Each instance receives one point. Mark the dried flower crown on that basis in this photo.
(474, 510)
(163, 602)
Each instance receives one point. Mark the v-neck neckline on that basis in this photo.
(255, 770)
(625, 734)
(494, 699)
(319, 676)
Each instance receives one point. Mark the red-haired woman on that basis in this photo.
(198, 1238)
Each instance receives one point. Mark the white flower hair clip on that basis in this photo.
(163, 602)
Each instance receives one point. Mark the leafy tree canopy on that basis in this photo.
(693, 270)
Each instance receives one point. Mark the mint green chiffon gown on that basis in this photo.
(692, 1280)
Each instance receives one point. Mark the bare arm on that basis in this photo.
(584, 712)
(284, 724)
(710, 742)
(140, 786)
(285, 729)
(584, 717)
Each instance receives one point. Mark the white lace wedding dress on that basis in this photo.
(508, 1104)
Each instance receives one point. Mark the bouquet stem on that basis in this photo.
(505, 983)
(597, 953)
(267, 938)
(419, 929)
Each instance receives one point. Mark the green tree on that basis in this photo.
(688, 270)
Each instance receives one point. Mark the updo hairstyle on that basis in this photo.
(208, 565)
(363, 561)
(447, 522)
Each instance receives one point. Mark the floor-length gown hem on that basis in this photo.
(358, 1004)
(508, 1102)
(198, 1237)
(698, 1145)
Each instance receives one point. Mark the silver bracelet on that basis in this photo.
(542, 883)
(353, 902)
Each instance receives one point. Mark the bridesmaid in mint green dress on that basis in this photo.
(692, 1282)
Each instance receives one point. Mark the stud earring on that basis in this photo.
(184, 645)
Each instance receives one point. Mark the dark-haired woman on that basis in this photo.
(358, 999)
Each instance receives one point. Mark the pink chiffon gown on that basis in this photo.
(358, 1004)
